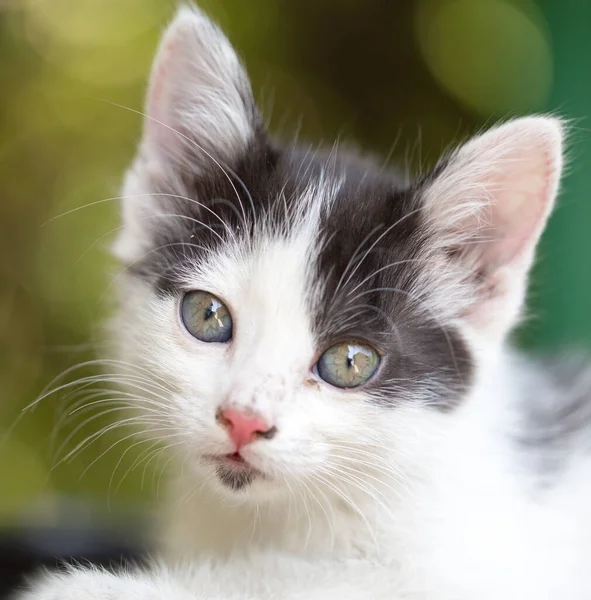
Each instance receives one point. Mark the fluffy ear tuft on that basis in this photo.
(200, 106)
(489, 202)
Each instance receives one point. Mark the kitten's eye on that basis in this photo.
(348, 364)
(206, 317)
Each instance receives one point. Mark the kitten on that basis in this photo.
(326, 346)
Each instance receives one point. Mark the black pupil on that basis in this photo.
(350, 358)
(209, 312)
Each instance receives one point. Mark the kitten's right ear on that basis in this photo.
(200, 116)
(200, 107)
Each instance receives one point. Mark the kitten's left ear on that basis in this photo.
(489, 202)
(200, 106)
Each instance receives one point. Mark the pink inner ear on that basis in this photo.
(517, 168)
(522, 207)
(161, 126)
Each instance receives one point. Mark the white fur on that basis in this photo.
(264, 577)
(360, 502)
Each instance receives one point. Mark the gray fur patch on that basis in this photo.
(556, 413)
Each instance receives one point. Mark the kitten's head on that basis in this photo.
(290, 315)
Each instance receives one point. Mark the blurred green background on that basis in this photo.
(399, 77)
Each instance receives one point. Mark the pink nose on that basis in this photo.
(244, 428)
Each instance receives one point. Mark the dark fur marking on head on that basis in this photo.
(369, 263)
(376, 236)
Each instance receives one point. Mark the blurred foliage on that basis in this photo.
(399, 77)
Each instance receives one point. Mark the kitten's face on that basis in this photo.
(305, 273)
(302, 317)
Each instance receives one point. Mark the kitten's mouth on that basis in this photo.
(234, 471)
(235, 458)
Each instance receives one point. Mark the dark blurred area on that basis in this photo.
(25, 551)
(401, 78)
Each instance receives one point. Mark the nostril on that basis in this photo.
(269, 434)
(220, 418)
(243, 427)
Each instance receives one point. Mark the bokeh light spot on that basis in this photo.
(492, 55)
(92, 22)
(104, 43)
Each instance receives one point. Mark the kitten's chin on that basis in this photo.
(238, 479)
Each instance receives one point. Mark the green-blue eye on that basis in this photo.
(348, 364)
(206, 317)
